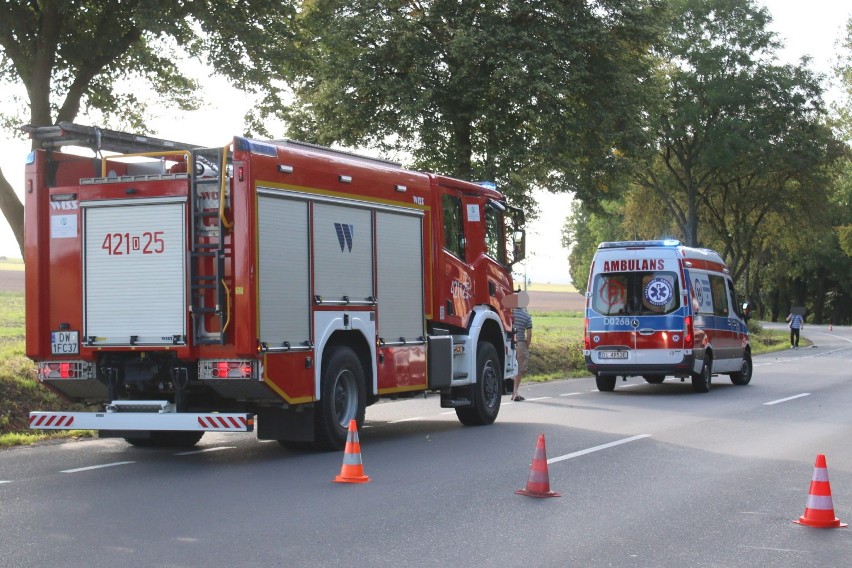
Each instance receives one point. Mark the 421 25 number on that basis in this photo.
(124, 243)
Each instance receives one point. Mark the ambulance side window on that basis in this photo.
(720, 295)
(453, 225)
(733, 293)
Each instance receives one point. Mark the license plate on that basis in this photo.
(65, 342)
(612, 354)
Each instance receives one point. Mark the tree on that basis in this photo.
(521, 93)
(730, 116)
(89, 56)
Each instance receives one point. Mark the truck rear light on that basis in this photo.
(587, 344)
(65, 370)
(230, 369)
(687, 332)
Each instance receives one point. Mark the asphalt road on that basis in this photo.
(649, 476)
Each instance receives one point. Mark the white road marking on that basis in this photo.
(570, 393)
(406, 420)
(205, 450)
(597, 448)
(1, 481)
(91, 467)
(775, 549)
(780, 400)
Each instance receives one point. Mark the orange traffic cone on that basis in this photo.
(352, 471)
(538, 484)
(819, 512)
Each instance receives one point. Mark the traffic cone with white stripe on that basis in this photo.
(352, 471)
(538, 484)
(819, 511)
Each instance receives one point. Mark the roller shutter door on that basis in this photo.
(135, 272)
(284, 308)
(399, 248)
(343, 249)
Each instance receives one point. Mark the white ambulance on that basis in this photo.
(657, 309)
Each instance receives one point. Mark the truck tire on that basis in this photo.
(701, 381)
(488, 390)
(167, 439)
(605, 383)
(743, 377)
(342, 398)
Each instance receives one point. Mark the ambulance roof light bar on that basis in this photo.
(640, 244)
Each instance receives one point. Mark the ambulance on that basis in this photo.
(657, 309)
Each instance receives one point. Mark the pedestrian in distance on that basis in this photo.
(797, 323)
(523, 326)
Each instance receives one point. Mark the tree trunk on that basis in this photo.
(13, 210)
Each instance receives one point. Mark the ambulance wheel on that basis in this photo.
(654, 379)
(744, 376)
(167, 439)
(342, 398)
(488, 390)
(701, 381)
(605, 383)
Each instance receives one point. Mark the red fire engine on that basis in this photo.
(182, 290)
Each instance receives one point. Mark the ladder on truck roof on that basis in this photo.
(97, 139)
(209, 294)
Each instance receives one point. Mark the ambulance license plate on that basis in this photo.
(65, 342)
(612, 354)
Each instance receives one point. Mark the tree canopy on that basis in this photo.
(730, 116)
(74, 56)
(521, 93)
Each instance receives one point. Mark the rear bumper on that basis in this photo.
(143, 421)
(681, 369)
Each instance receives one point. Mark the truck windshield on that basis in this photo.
(635, 293)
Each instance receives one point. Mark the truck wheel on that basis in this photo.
(167, 439)
(605, 384)
(654, 379)
(743, 377)
(487, 391)
(701, 381)
(342, 398)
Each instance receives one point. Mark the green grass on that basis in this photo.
(20, 392)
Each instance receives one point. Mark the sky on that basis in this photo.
(811, 29)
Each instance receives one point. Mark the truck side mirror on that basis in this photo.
(745, 311)
(518, 245)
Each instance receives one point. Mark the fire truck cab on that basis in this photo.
(274, 285)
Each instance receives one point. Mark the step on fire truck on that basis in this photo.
(271, 284)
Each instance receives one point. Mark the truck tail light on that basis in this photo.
(226, 369)
(587, 344)
(65, 370)
(687, 332)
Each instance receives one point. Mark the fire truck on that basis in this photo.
(278, 287)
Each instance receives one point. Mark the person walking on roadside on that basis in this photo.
(522, 325)
(797, 323)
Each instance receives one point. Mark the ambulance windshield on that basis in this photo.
(635, 293)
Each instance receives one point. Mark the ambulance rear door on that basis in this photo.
(636, 314)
